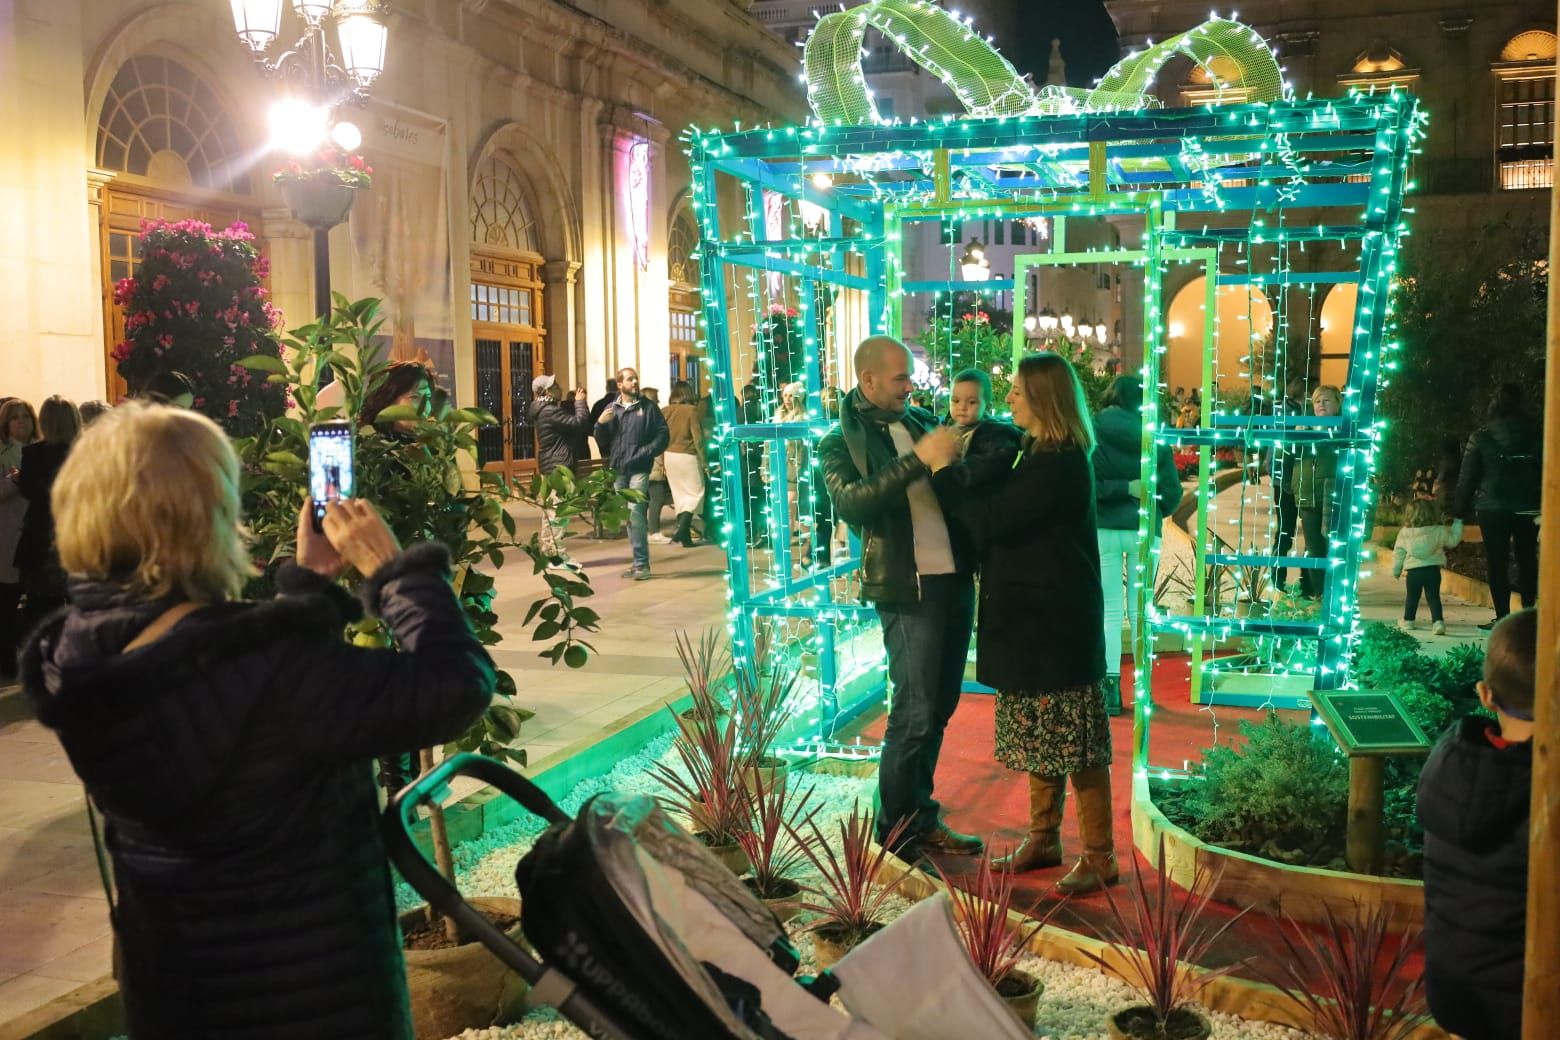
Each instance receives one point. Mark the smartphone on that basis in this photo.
(330, 466)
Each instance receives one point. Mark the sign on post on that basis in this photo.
(1368, 726)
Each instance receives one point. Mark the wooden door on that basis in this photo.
(506, 364)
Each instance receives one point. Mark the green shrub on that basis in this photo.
(1284, 785)
(1460, 669)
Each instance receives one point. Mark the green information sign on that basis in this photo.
(1369, 722)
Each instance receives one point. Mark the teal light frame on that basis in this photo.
(1210, 182)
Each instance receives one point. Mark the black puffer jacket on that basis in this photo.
(557, 429)
(231, 762)
(867, 480)
(1502, 468)
(1473, 804)
(982, 470)
(1117, 462)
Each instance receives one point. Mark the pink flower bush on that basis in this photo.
(196, 309)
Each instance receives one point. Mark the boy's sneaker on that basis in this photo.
(1438, 628)
(661, 539)
(1405, 624)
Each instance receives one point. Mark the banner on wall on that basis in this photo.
(401, 234)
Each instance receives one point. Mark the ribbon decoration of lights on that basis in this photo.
(987, 84)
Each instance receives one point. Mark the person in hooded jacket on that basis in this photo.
(1500, 482)
(227, 744)
(1473, 803)
(557, 425)
(1118, 495)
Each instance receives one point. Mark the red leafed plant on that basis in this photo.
(981, 912)
(1163, 940)
(709, 746)
(776, 845)
(1352, 978)
(851, 897)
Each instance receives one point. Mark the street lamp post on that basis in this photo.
(303, 124)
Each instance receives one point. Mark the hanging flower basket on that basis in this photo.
(321, 195)
(319, 202)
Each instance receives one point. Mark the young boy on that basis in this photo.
(1473, 804)
(987, 447)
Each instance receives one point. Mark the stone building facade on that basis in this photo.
(529, 210)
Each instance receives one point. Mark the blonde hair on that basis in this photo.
(1330, 390)
(58, 421)
(149, 497)
(1054, 395)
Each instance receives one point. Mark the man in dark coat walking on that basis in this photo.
(632, 432)
(876, 464)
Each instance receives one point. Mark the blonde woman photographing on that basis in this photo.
(227, 744)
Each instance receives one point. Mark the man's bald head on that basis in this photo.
(882, 365)
(872, 352)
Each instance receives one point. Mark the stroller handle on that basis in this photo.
(548, 984)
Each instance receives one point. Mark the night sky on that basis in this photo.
(1023, 30)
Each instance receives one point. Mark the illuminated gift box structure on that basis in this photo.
(804, 240)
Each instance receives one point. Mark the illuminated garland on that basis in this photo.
(986, 84)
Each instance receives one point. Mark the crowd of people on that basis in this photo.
(226, 743)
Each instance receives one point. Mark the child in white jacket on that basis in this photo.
(1420, 553)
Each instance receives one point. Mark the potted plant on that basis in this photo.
(709, 788)
(761, 697)
(851, 897)
(982, 913)
(1157, 947)
(1352, 979)
(776, 844)
(196, 308)
(415, 482)
(321, 194)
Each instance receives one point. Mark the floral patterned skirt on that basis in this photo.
(1053, 732)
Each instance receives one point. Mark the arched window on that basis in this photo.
(682, 272)
(163, 122)
(500, 214)
(507, 317)
(1379, 67)
(1525, 100)
(682, 241)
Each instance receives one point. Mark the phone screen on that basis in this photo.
(330, 465)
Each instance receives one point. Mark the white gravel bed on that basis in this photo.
(1074, 1006)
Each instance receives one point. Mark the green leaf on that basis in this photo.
(584, 616)
(264, 363)
(397, 413)
(551, 611)
(546, 630)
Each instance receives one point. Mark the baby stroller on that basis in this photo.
(643, 935)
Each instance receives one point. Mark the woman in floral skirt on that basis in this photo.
(1041, 641)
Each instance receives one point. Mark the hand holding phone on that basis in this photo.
(331, 475)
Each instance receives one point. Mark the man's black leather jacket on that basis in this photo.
(867, 482)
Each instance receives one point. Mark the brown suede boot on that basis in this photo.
(1096, 868)
(1043, 846)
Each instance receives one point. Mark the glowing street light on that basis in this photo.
(974, 266)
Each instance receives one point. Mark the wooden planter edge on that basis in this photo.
(1301, 893)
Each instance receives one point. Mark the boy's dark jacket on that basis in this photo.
(1473, 805)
